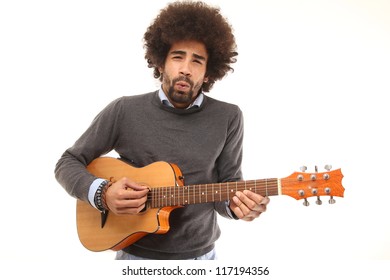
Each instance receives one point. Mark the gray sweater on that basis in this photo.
(205, 142)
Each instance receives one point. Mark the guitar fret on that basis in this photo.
(188, 194)
(165, 195)
(227, 190)
(178, 196)
(168, 198)
(158, 198)
(161, 196)
(173, 196)
(194, 195)
(152, 200)
(200, 195)
(185, 201)
(256, 186)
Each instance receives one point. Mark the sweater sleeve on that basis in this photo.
(99, 139)
(230, 159)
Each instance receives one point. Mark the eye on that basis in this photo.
(177, 57)
(198, 61)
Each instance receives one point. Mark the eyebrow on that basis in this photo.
(197, 56)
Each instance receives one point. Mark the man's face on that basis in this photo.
(184, 72)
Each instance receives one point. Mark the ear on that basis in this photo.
(205, 79)
(161, 70)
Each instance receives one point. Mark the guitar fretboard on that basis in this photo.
(204, 193)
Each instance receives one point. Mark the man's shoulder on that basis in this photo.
(138, 97)
(135, 100)
(222, 105)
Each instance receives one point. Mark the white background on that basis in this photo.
(312, 79)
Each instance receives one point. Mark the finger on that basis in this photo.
(127, 210)
(134, 186)
(129, 206)
(265, 200)
(241, 209)
(256, 201)
(133, 194)
(132, 202)
(249, 199)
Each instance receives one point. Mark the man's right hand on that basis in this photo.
(126, 197)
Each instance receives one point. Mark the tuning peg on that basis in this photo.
(318, 201)
(306, 203)
(303, 168)
(332, 200)
(328, 167)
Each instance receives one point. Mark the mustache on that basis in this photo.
(183, 79)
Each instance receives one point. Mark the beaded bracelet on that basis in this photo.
(100, 195)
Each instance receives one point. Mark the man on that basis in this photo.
(189, 46)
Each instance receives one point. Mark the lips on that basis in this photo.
(182, 84)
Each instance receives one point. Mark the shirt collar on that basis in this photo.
(164, 100)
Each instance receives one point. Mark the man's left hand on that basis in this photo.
(248, 205)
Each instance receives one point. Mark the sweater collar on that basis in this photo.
(164, 100)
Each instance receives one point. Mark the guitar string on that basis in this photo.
(195, 193)
(181, 193)
(210, 188)
(223, 188)
(203, 189)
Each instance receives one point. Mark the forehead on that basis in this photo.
(189, 48)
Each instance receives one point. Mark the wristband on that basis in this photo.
(100, 196)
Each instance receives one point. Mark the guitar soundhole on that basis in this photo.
(147, 206)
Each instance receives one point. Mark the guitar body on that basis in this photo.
(121, 231)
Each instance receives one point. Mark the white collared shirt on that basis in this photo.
(164, 99)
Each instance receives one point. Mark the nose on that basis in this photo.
(185, 69)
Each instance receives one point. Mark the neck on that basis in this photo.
(204, 193)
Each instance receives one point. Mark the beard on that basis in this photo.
(184, 97)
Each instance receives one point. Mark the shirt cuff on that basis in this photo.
(92, 191)
(229, 211)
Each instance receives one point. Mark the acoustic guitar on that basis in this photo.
(106, 231)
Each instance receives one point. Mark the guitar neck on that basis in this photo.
(204, 193)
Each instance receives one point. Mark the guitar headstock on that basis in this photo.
(301, 185)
